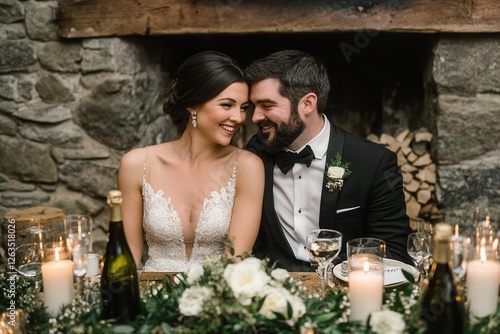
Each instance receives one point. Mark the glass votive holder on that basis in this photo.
(483, 279)
(365, 276)
(485, 235)
(460, 246)
(57, 277)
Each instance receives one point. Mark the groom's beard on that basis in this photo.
(284, 134)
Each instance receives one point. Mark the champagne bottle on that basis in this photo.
(442, 307)
(120, 299)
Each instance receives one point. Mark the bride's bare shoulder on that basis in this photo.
(248, 157)
(134, 157)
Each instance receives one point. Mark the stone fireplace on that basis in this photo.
(71, 107)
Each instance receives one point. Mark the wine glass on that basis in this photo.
(324, 246)
(79, 242)
(29, 262)
(80, 227)
(419, 247)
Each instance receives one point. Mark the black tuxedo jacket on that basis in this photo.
(375, 185)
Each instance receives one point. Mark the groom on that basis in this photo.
(361, 196)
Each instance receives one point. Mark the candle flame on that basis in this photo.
(56, 253)
(483, 241)
(483, 254)
(488, 220)
(366, 266)
(79, 229)
(456, 230)
(495, 244)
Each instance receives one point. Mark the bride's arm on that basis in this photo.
(130, 184)
(245, 221)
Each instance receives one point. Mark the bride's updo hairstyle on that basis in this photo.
(200, 78)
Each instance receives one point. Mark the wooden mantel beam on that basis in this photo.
(94, 18)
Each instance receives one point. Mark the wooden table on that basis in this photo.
(310, 280)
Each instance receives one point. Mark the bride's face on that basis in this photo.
(220, 117)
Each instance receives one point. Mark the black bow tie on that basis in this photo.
(286, 160)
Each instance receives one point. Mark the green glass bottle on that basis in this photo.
(120, 296)
(442, 308)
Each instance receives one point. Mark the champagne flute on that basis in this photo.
(80, 227)
(79, 242)
(324, 246)
(419, 247)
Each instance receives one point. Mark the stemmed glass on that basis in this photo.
(324, 246)
(29, 262)
(79, 242)
(419, 247)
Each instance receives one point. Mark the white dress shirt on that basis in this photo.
(297, 195)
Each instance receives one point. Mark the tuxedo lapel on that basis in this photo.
(328, 206)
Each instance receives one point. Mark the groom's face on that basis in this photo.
(279, 121)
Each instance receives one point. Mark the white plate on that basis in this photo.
(337, 271)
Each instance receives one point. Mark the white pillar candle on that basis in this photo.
(93, 267)
(483, 278)
(57, 278)
(366, 288)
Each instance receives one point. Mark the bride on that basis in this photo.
(189, 196)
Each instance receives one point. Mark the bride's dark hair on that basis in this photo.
(200, 78)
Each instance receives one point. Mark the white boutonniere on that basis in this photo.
(336, 172)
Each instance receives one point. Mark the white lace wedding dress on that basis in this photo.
(163, 228)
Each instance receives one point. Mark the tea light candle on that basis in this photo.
(365, 292)
(57, 278)
(483, 278)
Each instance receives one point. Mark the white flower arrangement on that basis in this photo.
(336, 173)
(192, 300)
(229, 296)
(250, 284)
(387, 322)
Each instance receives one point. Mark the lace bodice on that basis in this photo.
(163, 228)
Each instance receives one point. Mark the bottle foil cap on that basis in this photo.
(114, 197)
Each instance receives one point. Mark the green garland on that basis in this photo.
(221, 314)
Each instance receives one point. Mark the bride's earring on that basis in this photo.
(193, 118)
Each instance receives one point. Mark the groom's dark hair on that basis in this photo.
(297, 72)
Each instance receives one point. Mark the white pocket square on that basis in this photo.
(348, 209)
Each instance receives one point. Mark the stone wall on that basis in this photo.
(69, 109)
(464, 86)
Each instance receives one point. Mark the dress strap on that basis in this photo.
(144, 168)
(233, 174)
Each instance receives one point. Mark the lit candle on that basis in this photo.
(57, 277)
(483, 278)
(366, 288)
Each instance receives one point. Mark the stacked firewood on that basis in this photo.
(418, 170)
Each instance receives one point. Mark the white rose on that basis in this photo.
(194, 273)
(335, 172)
(246, 278)
(298, 307)
(192, 299)
(277, 300)
(280, 274)
(387, 322)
